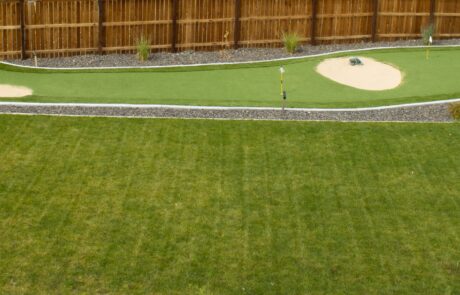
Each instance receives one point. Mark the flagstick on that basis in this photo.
(282, 87)
(282, 80)
(430, 42)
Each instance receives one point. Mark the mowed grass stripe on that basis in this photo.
(104, 205)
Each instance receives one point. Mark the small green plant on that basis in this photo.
(427, 32)
(454, 110)
(143, 48)
(291, 42)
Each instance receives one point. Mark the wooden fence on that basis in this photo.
(67, 27)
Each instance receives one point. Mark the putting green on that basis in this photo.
(245, 85)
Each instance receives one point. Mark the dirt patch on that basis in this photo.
(372, 75)
(14, 91)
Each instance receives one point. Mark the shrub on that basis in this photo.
(291, 42)
(454, 110)
(427, 31)
(143, 48)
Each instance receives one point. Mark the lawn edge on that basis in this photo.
(215, 66)
(193, 107)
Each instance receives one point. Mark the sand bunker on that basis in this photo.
(14, 91)
(372, 75)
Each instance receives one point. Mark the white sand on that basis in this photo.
(14, 91)
(373, 75)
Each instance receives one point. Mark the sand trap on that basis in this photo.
(14, 91)
(373, 75)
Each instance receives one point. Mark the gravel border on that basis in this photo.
(427, 112)
(209, 57)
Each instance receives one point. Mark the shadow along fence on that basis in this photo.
(68, 27)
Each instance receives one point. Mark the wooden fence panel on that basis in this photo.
(205, 24)
(10, 29)
(60, 28)
(402, 19)
(264, 22)
(66, 27)
(344, 21)
(447, 19)
(126, 21)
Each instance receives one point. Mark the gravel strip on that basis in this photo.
(421, 113)
(206, 57)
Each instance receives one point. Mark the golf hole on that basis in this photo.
(371, 75)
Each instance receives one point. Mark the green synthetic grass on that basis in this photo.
(246, 85)
(116, 206)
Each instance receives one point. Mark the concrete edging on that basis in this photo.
(229, 63)
(192, 107)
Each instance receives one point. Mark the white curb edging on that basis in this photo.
(229, 63)
(191, 107)
(221, 119)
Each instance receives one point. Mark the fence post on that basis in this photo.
(101, 26)
(174, 26)
(78, 28)
(432, 11)
(237, 28)
(23, 29)
(314, 12)
(375, 17)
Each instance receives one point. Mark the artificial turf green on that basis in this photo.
(139, 206)
(246, 85)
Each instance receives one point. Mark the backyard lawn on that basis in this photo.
(116, 206)
(246, 85)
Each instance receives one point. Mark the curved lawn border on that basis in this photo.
(419, 112)
(191, 107)
(295, 58)
(219, 66)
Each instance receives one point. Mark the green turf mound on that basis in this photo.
(246, 84)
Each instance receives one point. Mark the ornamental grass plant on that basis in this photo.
(291, 42)
(143, 48)
(454, 110)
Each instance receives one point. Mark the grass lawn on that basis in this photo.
(247, 85)
(103, 205)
